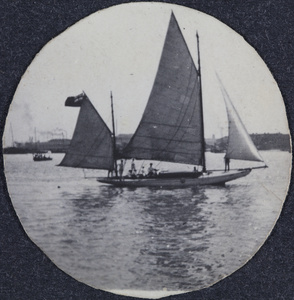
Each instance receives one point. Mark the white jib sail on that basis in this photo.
(240, 144)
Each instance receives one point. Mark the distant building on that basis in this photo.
(54, 145)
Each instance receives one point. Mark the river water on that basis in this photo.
(122, 239)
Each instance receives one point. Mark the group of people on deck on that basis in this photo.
(133, 171)
(151, 170)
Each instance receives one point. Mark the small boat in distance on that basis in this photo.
(42, 156)
(171, 128)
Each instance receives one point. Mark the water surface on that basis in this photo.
(144, 238)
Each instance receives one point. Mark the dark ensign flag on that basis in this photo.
(75, 101)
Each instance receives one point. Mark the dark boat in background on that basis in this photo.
(42, 156)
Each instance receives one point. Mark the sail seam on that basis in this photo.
(185, 112)
(192, 152)
(168, 125)
(162, 138)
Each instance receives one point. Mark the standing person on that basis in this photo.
(133, 167)
(227, 164)
(121, 169)
(110, 173)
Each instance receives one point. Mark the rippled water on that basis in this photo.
(143, 238)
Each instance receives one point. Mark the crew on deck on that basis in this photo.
(121, 169)
(133, 167)
(151, 170)
(141, 173)
(227, 164)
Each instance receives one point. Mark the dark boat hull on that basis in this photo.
(42, 159)
(209, 178)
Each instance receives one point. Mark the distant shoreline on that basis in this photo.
(263, 141)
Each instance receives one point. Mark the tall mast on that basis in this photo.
(201, 106)
(113, 136)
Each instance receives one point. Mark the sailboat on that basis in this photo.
(171, 128)
(42, 156)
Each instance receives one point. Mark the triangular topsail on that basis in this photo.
(171, 126)
(240, 145)
(91, 146)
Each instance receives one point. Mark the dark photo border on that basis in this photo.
(26, 26)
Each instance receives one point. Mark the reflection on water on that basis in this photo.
(145, 238)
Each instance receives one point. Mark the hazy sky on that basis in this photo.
(118, 49)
